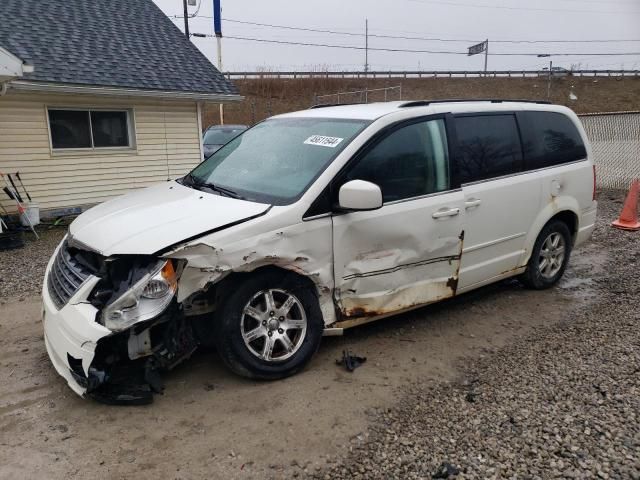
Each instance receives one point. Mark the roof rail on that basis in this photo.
(424, 103)
(323, 105)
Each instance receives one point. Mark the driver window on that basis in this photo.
(410, 162)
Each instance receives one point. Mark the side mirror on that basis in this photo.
(359, 195)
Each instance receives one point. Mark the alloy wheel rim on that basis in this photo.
(273, 325)
(552, 255)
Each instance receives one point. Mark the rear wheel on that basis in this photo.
(270, 327)
(549, 257)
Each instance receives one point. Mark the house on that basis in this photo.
(98, 97)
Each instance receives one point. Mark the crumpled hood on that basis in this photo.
(150, 219)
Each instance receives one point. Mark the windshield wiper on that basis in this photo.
(192, 182)
(227, 191)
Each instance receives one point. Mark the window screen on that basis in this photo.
(409, 162)
(550, 138)
(488, 146)
(88, 128)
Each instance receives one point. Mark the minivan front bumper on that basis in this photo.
(71, 335)
(112, 367)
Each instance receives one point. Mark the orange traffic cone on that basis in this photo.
(629, 216)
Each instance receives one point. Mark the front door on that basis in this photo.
(406, 253)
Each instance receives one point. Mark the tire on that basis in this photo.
(540, 274)
(243, 339)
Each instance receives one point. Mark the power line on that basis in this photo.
(435, 39)
(505, 7)
(448, 52)
(599, 2)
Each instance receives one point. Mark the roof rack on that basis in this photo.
(324, 105)
(424, 103)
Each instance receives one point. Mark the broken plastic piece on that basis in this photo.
(446, 470)
(124, 395)
(350, 362)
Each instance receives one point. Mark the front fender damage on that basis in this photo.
(126, 366)
(304, 249)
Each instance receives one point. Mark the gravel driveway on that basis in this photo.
(22, 271)
(561, 402)
(501, 382)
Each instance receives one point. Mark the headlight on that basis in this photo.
(146, 299)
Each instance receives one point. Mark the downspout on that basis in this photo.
(3, 88)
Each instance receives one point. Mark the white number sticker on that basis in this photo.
(322, 141)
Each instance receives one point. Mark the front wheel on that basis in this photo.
(549, 257)
(270, 327)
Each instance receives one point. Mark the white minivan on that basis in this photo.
(309, 223)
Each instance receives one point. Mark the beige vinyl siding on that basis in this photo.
(166, 144)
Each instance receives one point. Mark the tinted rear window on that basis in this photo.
(488, 146)
(549, 139)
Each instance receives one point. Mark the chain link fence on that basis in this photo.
(615, 139)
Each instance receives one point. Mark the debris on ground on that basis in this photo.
(350, 362)
(446, 470)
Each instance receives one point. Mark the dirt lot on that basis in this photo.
(266, 97)
(326, 422)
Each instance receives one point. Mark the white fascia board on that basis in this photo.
(122, 92)
(11, 66)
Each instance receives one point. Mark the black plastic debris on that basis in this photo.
(471, 397)
(350, 362)
(446, 470)
(123, 395)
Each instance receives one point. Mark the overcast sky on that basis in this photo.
(446, 19)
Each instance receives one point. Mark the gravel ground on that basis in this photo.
(561, 402)
(22, 271)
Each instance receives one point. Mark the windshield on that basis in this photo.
(220, 136)
(276, 161)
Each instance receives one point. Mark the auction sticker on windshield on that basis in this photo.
(323, 141)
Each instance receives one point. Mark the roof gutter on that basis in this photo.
(30, 86)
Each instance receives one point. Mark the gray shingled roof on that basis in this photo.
(115, 43)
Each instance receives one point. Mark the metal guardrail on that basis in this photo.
(360, 96)
(615, 140)
(430, 74)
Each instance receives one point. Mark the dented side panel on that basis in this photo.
(304, 248)
(399, 256)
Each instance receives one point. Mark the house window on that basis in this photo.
(89, 128)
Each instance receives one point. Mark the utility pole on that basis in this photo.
(219, 41)
(542, 55)
(217, 28)
(486, 56)
(366, 60)
(186, 18)
(549, 82)
(366, 45)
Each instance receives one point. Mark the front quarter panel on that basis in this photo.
(303, 247)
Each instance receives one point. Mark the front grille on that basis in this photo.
(65, 277)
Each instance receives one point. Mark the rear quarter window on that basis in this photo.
(549, 139)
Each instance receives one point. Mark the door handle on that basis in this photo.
(471, 203)
(446, 212)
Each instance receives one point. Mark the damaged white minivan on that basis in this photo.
(310, 223)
